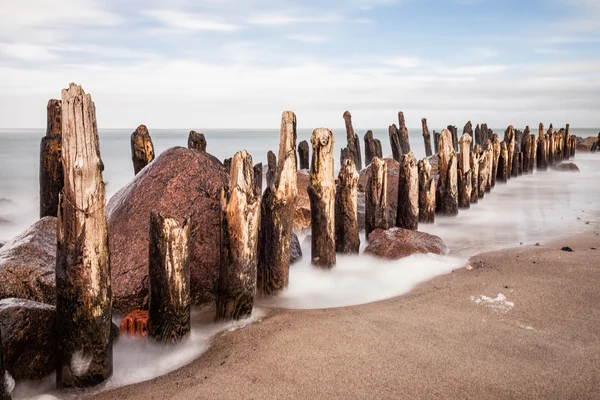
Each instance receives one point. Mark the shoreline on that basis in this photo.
(419, 344)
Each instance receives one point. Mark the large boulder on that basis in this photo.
(397, 243)
(179, 183)
(27, 263)
(569, 167)
(392, 188)
(302, 219)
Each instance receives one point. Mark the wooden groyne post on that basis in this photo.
(239, 249)
(83, 291)
(169, 276)
(142, 149)
(196, 141)
(464, 171)
(407, 214)
(426, 137)
(426, 192)
(474, 163)
(271, 168)
(277, 214)
(447, 188)
(497, 148)
(436, 142)
(403, 134)
(542, 153)
(347, 240)
(370, 147)
(51, 168)
(258, 178)
(303, 154)
(376, 197)
(395, 142)
(486, 169)
(353, 141)
(468, 129)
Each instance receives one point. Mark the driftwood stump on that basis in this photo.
(271, 168)
(321, 192)
(426, 137)
(447, 188)
(403, 134)
(474, 163)
(370, 147)
(83, 291)
(142, 149)
(376, 197)
(51, 169)
(395, 142)
(169, 276)
(303, 153)
(196, 141)
(426, 192)
(239, 248)
(347, 240)
(353, 142)
(277, 214)
(464, 171)
(407, 214)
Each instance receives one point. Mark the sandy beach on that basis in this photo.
(442, 340)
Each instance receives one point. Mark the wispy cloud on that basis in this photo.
(282, 19)
(182, 21)
(308, 38)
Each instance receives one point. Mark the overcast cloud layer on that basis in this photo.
(239, 64)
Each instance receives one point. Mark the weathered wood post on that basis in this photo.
(277, 214)
(464, 171)
(525, 148)
(407, 214)
(426, 192)
(426, 137)
(474, 163)
(378, 149)
(495, 161)
(376, 197)
(503, 166)
(271, 168)
(303, 155)
(51, 169)
(196, 141)
(566, 143)
(485, 169)
(321, 191)
(239, 249)
(478, 140)
(436, 142)
(454, 131)
(395, 142)
(370, 147)
(520, 166)
(258, 178)
(347, 240)
(532, 152)
(468, 129)
(169, 276)
(542, 158)
(447, 188)
(344, 155)
(550, 145)
(352, 140)
(83, 291)
(142, 149)
(509, 139)
(403, 134)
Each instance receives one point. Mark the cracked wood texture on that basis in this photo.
(321, 191)
(378, 149)
(395, 142)
(485, 169)
(239, 247)
(303, 154)
(376, 197)
(407, 214)
(370, 147)
(509, 139)
(51, 169)
(196, 141)
(464, 171)
(454, 132)
(426, 137)
(277, 213)
(403, 134)
(142, 149)
(426, 192)
(447, 188)
(83, 288)
(352, 142)
(271, 168)
(474, 161)
(258, 179)
(347, 240)
(497, 147)
(169, 276)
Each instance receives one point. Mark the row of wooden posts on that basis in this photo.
(256, 225)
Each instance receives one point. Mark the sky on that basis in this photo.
(239, 64)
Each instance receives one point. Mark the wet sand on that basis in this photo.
(433, 342)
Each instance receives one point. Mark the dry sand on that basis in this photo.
(434, 342)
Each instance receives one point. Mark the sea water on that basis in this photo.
(530, 209)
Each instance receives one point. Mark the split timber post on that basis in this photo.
(436, 142)
(196, 141)
(526, 148)
(474, 162)
(239, 249)
(347, 240)
(464, 171)
(395, 142)
(426, 192)
(497, 147)
(321, 191)
(83, 291)
(370, 147)
(485, 169)
(407, 212)
(376, 197)
(509, 139)
(403, 134)
(566, 143)
(303, 155)
(142, 149)
(258, 178)
(447, 188)
(542, 156)
(454, 131)
(169, 276)
(271, 167)
(353, 142)
(550, 146)
(51, 169)
(277, 214)
(426, 137)
(378, 149)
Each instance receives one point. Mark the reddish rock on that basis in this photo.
(178, 183)
(392, 188)
(302, 211)
(397, 243)
(135, 324)
(568, 167)
(583, 148)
